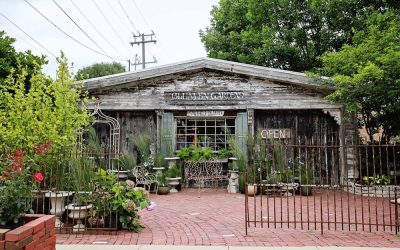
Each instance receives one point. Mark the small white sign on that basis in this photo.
(205, 113)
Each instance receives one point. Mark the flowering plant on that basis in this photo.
(19, 175)
(127, 201)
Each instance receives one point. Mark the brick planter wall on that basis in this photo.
(38, 232)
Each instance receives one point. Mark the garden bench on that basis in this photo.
(202, 171)
(143, 177)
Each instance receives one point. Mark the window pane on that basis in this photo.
(212, 133)
(201, 123)
(230, 122)
(210, 123)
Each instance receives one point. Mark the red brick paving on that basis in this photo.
(217, 218)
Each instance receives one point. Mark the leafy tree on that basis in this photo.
(367, 74)
(10, 59)
(99, 69)
(46, 112)
(286, 34)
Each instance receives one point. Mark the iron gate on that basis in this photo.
(323, 187)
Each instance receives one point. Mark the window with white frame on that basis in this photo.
(204, 132)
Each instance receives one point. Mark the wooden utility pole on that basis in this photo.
(142, 39)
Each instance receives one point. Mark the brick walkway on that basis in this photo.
(217, 218)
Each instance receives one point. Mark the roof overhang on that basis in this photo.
(271, 74)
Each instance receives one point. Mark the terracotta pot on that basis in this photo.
(251, 190)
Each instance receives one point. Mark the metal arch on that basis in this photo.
(115, 131)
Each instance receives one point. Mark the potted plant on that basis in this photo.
(163, 188)
(143, 143)
(125, 166)
(126, 202)
(82, 170)
(173, 177)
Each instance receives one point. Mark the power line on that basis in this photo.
(79, 27)
(144, 19)
(28, 35)
(65, 33)
(109, 23)
(127, 16)
(18, 37)
(95, 28)
(141, 14)
(116, 14)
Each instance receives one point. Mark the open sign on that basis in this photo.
(278, 133)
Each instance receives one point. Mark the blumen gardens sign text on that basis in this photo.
(204, 96)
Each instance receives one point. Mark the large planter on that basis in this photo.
(173, 182)
(163, 190)
(78, 213)
(172, 161)
(38, 232)
(57, 201)
(121, 174)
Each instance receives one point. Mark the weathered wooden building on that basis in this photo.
(205, 101)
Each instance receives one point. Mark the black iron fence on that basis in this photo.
(86, 191)
(323, 187)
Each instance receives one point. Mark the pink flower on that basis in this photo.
(151, 206)
(38, 177)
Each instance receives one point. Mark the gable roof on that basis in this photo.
(276, 75)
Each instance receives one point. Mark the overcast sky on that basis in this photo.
(176, 24)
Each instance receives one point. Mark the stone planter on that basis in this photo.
(372, 191)
(172, 161)
(173, 182)
(38, 232)
(163, 190)
(78, 213)
(57, 201)
(121, 174)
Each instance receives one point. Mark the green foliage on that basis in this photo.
(101, 199)
(238, 153)
(99, 69)
(13, 62)
(15, 196)
(224, 153)
(173, 172)
(185, 153)
(286, 34)
(142, 142)
(46, 112)
(127, 201)
(127, 161)
(16, 183)
(195, 153)
(367, 74)
(82, 170)
(162, 182)
(376, 180)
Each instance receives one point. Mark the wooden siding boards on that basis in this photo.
(259, 94)
(132, 123)
(200, 64)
